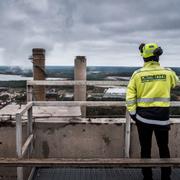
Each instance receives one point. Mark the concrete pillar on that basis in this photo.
(39, 73)
(80, 74)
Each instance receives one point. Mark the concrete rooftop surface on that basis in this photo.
(58, 114)
(10, 111)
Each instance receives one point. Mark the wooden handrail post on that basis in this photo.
(30, 129)
(19, 144)
(127, 135)
(19, 173)
(18, 135)
(29, 93)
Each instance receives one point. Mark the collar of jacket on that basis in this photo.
(151, 64)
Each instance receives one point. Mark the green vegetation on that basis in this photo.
(4, 97)
(105, 111)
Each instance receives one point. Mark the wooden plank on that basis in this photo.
(80, 120)
(55, 111)
(19, 173)
(79, 103)
(89, 103)
(31, 175)
(120, 162)
(29, 93)
(19, 145)
(127, 135)
(18, 135)
(30, 129)
(59, 83)
(24, 109)
(26, 144)
(78, 82)
(90, 83)
(29, 124)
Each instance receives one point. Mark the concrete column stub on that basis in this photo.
(80, 74)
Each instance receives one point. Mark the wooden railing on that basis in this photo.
(21, 149)
(96, 162)
(27, 147)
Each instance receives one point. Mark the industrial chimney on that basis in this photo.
(38, 59)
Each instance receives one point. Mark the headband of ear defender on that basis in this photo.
(141, 47)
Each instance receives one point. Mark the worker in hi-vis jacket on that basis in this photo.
(148, 102)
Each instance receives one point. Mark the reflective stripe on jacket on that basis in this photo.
(149, 87)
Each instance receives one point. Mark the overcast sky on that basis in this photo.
(107, 32)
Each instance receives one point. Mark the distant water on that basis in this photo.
(68, 71)
(5, 77)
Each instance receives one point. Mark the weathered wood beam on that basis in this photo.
(78, 103)
(18, 135)
(26, 144)
(29, 90)
(58, 83)
(87, 103)
(77, 82)
(25, 108)
(127, 143)
(119, 162)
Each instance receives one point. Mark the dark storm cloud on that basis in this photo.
(107, 32)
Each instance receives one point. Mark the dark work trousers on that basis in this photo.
(162, 137)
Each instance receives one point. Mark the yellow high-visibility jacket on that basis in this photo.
(150, 86)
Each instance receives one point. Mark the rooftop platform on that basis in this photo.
(40, 112)
(62, 114)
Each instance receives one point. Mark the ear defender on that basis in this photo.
(158, 51)
(141, 47)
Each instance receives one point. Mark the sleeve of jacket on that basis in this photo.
(174, 79)
(131, 96)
